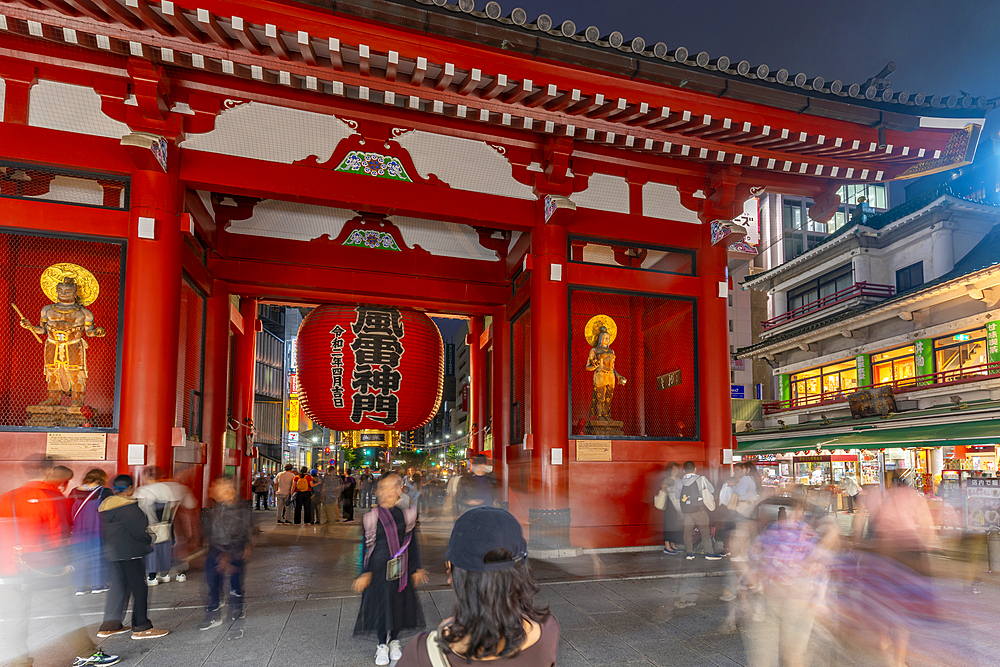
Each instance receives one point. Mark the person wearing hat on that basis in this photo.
(478, 488)
(495, 618)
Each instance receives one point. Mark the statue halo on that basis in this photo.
(87, 287)
(593, 328)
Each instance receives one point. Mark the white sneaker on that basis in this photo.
(382, 655)
(395, 650)
(181, 578)
(738, 559)
(164, 579)
(728, 596)
(153, 582)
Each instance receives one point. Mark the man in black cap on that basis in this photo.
(496, 617)
(478, 488)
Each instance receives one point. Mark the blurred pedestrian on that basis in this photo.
(160, 498)
(260, 486)
(495, 617)
(478, 488)
(283, 488)
(851, 490)
(90, 569)
(126, 542)
(229, 535)
(347, 495)
(391, 569)
(302, 484)
(695, 498)
(673, 522)
(367, 487)
(317, 495)
(34, 567)
(332, 488)
(790, 567)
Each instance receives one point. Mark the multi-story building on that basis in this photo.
(269, 383)
(905, 301)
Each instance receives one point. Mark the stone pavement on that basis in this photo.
(616, 609)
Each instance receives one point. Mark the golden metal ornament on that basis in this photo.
(594, 326)
(87, 287)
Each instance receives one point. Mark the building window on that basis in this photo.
(791, 213)
(809, 386)
(820, 288)
(959, 352)
(896, 365)
(910, 277)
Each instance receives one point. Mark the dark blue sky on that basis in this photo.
(939, 46)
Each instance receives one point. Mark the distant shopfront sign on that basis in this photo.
(739, 391)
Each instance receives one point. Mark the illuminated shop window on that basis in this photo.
(896, 365)
(961, 351)
(808, 386)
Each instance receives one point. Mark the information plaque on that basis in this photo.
(76, 446)
(593, 450)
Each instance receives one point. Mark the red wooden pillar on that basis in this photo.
(713, 352)
(151, 312)
(216, 403)
(245, 365)
(500, 424)
(549, 384)
(477, 369)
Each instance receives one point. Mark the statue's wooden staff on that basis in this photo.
(19, 314)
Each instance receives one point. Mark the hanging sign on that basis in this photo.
(982, 503)
(369, 367)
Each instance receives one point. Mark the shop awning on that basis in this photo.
(938, 435)
(985, 432)
(789, 444)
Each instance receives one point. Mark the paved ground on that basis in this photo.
(614, 610)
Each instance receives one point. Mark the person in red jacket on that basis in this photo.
(34, 558)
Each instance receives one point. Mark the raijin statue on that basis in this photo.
(65, 323)
(601, 361)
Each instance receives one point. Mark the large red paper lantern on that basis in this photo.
(370, 367)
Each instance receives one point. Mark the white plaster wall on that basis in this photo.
(443, 238)
(62, 106)
(76, 190)
(901, 254)
(465, 164)
(272, 133)
(604, 193)
(664, 202)
(287, 220)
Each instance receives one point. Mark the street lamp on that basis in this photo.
(460, 433)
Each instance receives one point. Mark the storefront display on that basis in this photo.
(982, 503)
(871, 467)
(813, 470)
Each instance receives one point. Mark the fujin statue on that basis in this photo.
(66, 323)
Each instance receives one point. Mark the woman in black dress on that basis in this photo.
(390, 571)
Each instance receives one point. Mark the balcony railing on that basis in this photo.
(939, 379)
(864, 289)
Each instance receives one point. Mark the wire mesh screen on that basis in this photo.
(646, 258)
(652, 347)
(60, 372)
(520, 378)
(53, 184)
(190, 361)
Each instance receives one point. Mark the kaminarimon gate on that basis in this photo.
(527, 174)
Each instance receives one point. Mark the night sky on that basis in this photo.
(939, 46)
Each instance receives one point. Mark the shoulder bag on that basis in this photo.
(163, 530)
(435, 652)
(660, 500)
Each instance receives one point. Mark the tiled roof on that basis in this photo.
(866, 94)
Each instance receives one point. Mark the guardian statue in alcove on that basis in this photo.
(66, 323)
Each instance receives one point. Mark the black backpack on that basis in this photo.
(691, 498)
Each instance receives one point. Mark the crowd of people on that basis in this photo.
(121, 540)
(794, 569)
